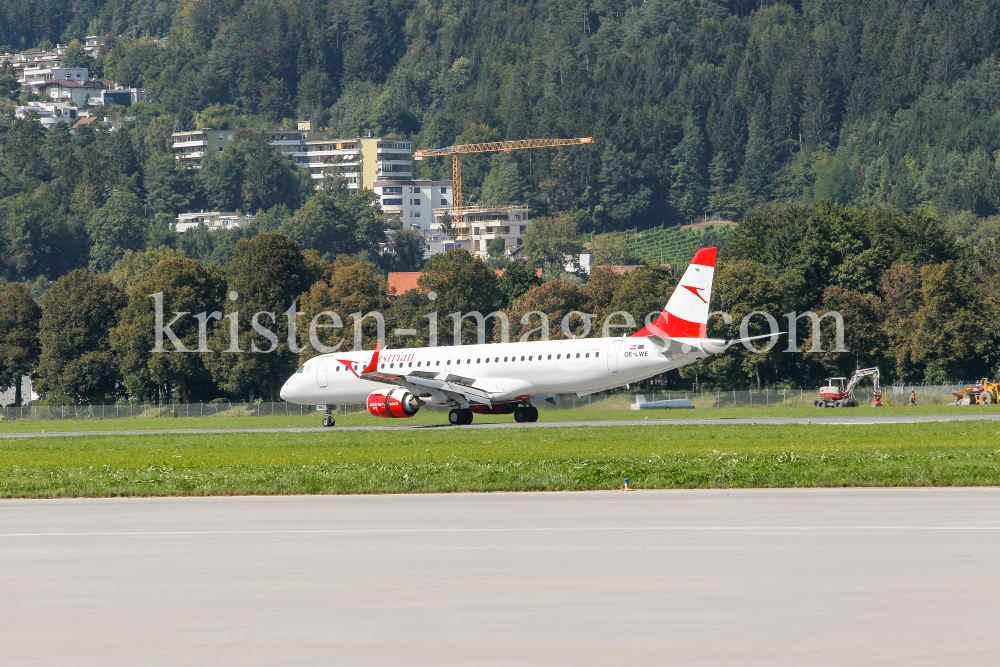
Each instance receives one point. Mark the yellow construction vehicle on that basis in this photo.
(984, 393)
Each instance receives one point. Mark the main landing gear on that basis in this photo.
(460, 417)
(526, 414)
(328, 420)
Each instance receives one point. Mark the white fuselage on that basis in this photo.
(508, 371)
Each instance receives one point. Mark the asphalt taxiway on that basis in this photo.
(392, 425)
(692, 577)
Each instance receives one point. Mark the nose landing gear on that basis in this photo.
(328, 420)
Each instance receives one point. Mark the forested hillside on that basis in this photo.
(697, 107)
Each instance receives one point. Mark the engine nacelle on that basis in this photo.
(393, 403)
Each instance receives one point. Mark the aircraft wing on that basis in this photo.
(444, 387)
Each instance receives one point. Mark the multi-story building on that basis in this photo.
(361, 161)
(35, 74)
(414, 201)
(94, 42)
(79, 93)
(192, 146)
(482, 224)
(49, 114)
(125, 97)
(213, 220)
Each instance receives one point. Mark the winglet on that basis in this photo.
(372, 365)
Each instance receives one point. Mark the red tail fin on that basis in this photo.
(686, 314)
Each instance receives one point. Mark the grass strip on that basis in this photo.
(447, 460)
(426, 416)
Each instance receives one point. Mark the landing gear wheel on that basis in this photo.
(460, 417)
(532, 413)
(520, 415)
(329, 421)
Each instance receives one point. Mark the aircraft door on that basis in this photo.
(321, 375)
(613, 356)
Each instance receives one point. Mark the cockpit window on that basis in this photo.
(301, 368)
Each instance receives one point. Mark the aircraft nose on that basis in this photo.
(284, 391)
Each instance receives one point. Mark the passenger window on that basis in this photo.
(383, 366)
(497, 360)
(558, 356)
(468, 361)
(458, 362)
(529, 358)
(597, 354)
(505, 358)
(418, 364)
(337, 368)
(487, 360)
(577, 355)
(522, 357)
(478, 360)
(587, 356)
(550, 356)
(392, 365)
(410, 365)
(437, 363)
(448, 362)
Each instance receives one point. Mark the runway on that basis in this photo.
(692, 577)
(394, 425)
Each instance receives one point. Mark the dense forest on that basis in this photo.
(858, 143)
(698, 107)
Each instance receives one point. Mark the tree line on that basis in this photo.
(914, 302)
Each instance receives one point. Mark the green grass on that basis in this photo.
(455, 459)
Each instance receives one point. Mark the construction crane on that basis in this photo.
(838, 395)
(489, 147)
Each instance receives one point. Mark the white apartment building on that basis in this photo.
(414, 201)
(49, 113)
(361, 161)
(35, 74)
(213, 220)
(480, 225)
(80, 93)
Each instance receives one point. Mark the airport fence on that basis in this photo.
(616, 400)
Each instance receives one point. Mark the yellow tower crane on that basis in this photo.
(489, 147)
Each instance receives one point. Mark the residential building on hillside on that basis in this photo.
(49, 113)
(361, 161)
(213, 220)
(37, 73)
(80, 93)
(414, 201)
(94, 42)
(122, 96)
(482, 224)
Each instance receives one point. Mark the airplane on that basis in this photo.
(512, 378)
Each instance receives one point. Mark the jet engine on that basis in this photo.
(393, 403)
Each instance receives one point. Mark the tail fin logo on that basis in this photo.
(694, 290)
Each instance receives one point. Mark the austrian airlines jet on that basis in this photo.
(505, 378)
